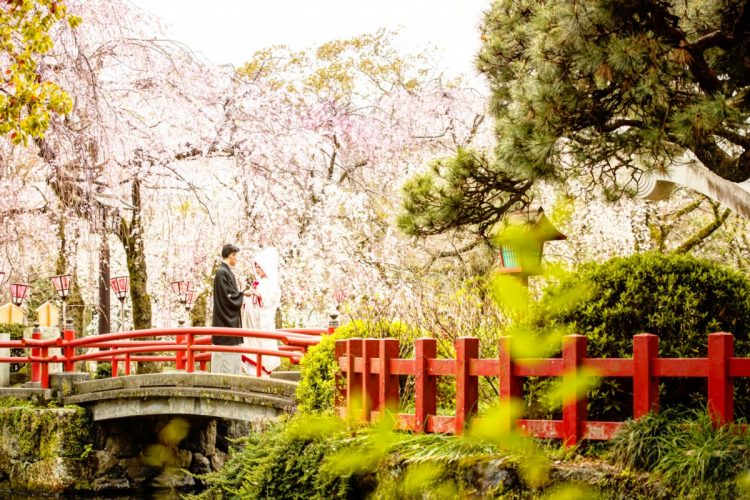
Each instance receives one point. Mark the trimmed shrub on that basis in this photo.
(677, 297)
(317, 387)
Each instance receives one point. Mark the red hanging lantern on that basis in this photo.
(18, 292)
(189, 297)
(339, 296)
(120, 285)
(182, 288)
(62, 285)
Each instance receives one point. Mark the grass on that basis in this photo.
(686, 454)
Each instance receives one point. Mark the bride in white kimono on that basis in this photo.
(259, 312)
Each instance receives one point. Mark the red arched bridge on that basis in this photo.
(185, 388)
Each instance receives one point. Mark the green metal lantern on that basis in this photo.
(521, 245)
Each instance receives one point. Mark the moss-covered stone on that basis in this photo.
(45, 449)
(30, 433)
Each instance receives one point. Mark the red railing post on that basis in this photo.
(510, 385)
(44, 368)
(370, 382)
(179, 356)
(340, 397)
(189, 353)
(720, 384)
(127, 363)
(258, 365)
(353, 378)
(115, 366)
(645, 385)
(467, 386)
(425, 386)
(574, 410)
(388, 384)
(68, 351)
(36, 372)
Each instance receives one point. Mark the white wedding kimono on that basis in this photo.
(259, 313)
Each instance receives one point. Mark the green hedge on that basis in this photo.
(679, 298)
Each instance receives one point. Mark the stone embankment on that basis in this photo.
(60, 450)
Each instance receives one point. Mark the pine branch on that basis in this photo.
(456, 252)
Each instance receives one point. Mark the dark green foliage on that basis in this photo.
(687, 454)
(679, 298)
(310, 457)
(16, 333)
(103, 370)
(465, 190)
(624, 84)
(284, 462)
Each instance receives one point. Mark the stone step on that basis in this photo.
(291, 376)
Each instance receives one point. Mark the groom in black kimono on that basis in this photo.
(227, 307)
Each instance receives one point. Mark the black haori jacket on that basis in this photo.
(227, 304)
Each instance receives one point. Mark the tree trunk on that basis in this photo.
(76, 305)
(198, 314)
(104, 305)
(131, 235)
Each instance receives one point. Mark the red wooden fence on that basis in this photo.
(372, 368)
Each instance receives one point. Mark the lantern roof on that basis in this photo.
(538, 225)
(521, 244)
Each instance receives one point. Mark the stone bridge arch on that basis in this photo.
(232, 397)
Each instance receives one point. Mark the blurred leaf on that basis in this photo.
(572, 387)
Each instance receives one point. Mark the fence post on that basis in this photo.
(44, 368)
(189, 353)
(510, 385)
(127, 363)
(425, 386)
(340, 397)
(354, 396)
(467, 386)
(720, 384)
(370, 380)
(179, 356)
(388, 384)
(115, 366)
(645, 385)
(574, 410)
(36, 373)
(69, 335)
(4, 367)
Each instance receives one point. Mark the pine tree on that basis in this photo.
(604, 90)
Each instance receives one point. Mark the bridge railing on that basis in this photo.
(183, 346)
(371, 369)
